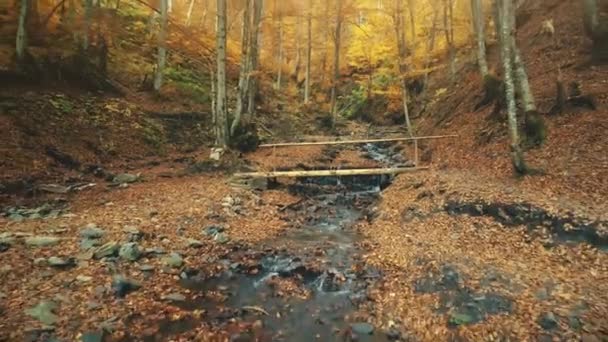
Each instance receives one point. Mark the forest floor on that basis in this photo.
(439, 255)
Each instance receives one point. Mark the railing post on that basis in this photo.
(415, 152)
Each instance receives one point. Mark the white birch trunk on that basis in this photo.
(162, 50)
(21, 39)
(280, 57)
(334, 86)
(254, 55)
(505, 8)
(244, 67)
(402, 50)
(478, 26)
(308, 54)
(221, 111)
(189, 15)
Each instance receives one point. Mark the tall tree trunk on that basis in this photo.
(280, 52)
(245, 66)
(448, 22)
(21, 39)
(429, 49)
(162, 50)
(189, 15)
(478, 25)
(402, 51)
(254, 55)
(88, 17)
(337, 39)
(412, 10)
(308, 53)
(504, 11)
(298, 59)
(221, 110)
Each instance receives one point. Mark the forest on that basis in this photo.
(303, 170)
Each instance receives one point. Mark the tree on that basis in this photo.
(254, 54)
(162, 50)
(279, 17)
(448, 27)
(220, 103)
(506, 36)
(88, 17)
(337, 39)
(308, 53)
(398, 20)
(21, 40)
(245, 66)
(478, 25)
(189, 15)
(596, 27)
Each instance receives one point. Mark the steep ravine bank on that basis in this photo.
(472, 259)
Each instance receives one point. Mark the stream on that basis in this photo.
(306, 284)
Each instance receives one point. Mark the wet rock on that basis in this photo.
(107, 250)
(174, 297)
(91, 231)
(123, 286)
(362, 328)
(42, 241)
(548, 321)
(44, 312)
(173, 260)
(125, 178)
(393, 334)
(93, 336)
(60, 262)
(130, 252)
(4, 246)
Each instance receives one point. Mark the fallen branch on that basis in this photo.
(255, 309)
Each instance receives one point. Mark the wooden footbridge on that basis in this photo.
(345, 172)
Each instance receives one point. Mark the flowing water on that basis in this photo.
(308, 283)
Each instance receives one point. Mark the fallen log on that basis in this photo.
(328, 173)
(361, 141)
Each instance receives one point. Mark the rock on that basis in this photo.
(124, 178)
(146, 268)
(42, 241)
(133, 234)
(83, 278)
(173, 260)
(193, 243)
(16, 217)
(86, 244)
(221, 238)
(216, 153)
(174, 297)
(130, 252)
(107, 250)
(393, 334)
(60, 262)
(92, 305)
(589, 338)
(213, 230)
(548, 321)
(4, 246)
(123, 286)
(93, 336)
(460, 319)
(362, 328)
(91, 231)
(44, 312)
